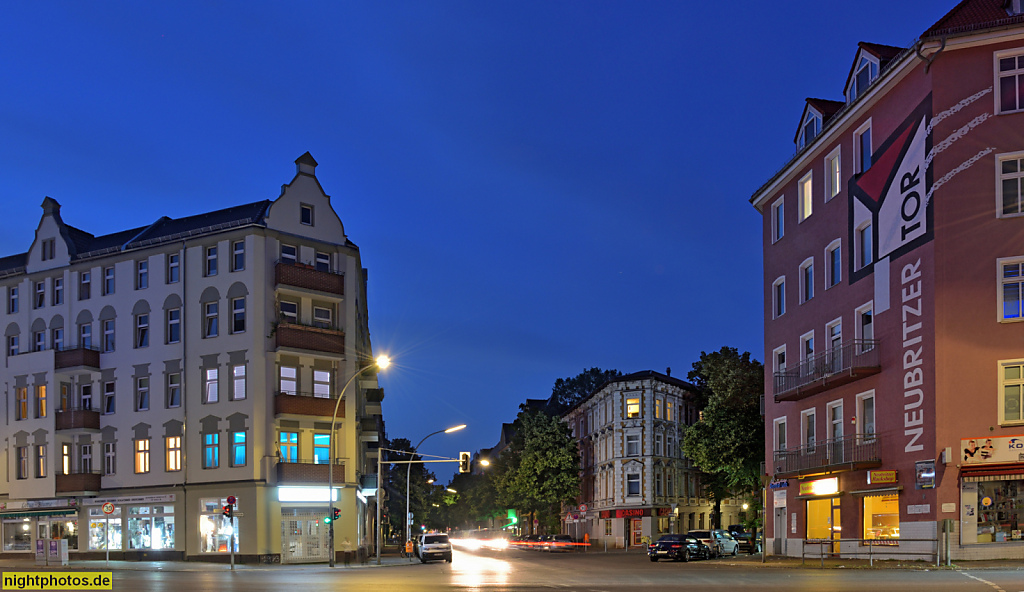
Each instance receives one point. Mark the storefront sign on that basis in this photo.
(664, 511)
(121, 501)
(33, 504)
(877, 477)
(630, 513)
(820, 487)
(779, 500)
(778, 484)
(992, 450)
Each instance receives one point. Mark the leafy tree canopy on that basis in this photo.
(569, 391)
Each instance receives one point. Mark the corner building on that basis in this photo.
(893, 283)
(152, 373)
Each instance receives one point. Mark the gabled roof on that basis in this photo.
(825, 107)
(883, 53)
(973, 15)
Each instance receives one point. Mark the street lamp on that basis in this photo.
(408, 475)
(380, 363)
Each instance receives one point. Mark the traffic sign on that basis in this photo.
(583, 507)
(108, 508)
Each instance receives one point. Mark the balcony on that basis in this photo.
(76, 357)
(369, 429)
(78, 483)
(851, 361)
(72, 418)
(309, 471)
(850, 453)
(304, 337)
(373, 399)
(298, 403)
(308, 277)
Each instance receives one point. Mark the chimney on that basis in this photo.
(305, 165)
(668, 371)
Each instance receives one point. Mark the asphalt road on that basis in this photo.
(589, 572)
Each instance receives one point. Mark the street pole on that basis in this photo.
(379, 496)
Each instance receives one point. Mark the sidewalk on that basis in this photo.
(28, 563)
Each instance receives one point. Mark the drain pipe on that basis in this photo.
(928, 60)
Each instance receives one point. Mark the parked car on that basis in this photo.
(720, 541)
(434, 546)
(744, 538)
(678, 547)
(559, 543)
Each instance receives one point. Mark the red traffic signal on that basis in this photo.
(229, 511)
(337, 513)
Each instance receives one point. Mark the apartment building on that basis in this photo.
(636, 482)
(893, 284)
(152, 374)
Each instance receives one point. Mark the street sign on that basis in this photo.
(108, 508)
(583, 507)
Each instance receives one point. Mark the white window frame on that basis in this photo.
(210, 261)
(173, 268)
(778, 304)
(172, 460)
(864, 60)
(807, 283)
(997, 86)
(862, 435)
(109, 285)
(634, 478)
(142, 330)
(291, 259)
(809, 336)
(238, 315)
(173, 385)
(238, 380)
(141, 456)
(1001, 287)
(173, 316)
(237, 250)
(211, 385)
(830, 280)
(1001, 395)
(858, 324)
(830, 407)
(778, 219)
(833, 179)
(288, 317)
(858, 240)
(58, 291)
(805, 197)
(109, 458)
(211, 319)
(1018, 176)
(779, 445)
(142, 274)
(805, 445)
(775, 358)
(629, 439)
(142, 394)
(865, 127)
(812, 116)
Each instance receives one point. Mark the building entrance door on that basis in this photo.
(637, 530)
(303, 538)
(779, 532)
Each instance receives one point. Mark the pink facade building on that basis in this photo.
(894, 295)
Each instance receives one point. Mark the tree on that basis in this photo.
(420, 491)
(567, 392)
(728, 442)
(540, 470)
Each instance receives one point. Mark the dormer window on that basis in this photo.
(811, 128)
(863, 75)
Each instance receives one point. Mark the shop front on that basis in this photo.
(141, 527)
(992, 490)
(640, 524)
(24, 522)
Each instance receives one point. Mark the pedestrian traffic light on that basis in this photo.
(337, 513)
(329, 517)
(464, 462)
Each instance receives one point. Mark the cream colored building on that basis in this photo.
(164, 368)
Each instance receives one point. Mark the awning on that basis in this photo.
(877, 491)
(39, 512)
(992, 472)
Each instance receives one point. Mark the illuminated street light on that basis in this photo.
(484, 462)
(450, 490)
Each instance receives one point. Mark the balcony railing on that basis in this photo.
(73, 357)
(73, 418)
(310, 278)
(80, 482)
(309, 471)
(300, 403)
(851, 361)
(836, 455)
(292, 335)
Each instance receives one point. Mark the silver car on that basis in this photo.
(719, 541)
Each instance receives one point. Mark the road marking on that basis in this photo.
(996, 587)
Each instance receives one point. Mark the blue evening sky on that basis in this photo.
(536, 187)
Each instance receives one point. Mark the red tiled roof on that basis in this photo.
(972, 15)
(883, 52)
(826, 107)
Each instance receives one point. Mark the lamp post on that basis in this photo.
(380, 363)
(408, 474)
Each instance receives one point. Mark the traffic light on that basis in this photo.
(464, 462)
(329, 517)
(229, 511)
(337, 513)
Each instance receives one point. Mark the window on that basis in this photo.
(84, 285)
(1011, 290)
(141, 275)
(289, 254)
(811, 127)
(238, 315)
(58, 292)
(863, 75)
(862, 148)
(39, 341)
(109, 401)
(173, 268)
(834, 331)
(779, 359)
(238, 255)
(141, 330)
(323, 261)
(779, 297)
(306, 214)
(211, 261)
(173, 446)
(321, 384)
(238, 382)
(882, 517)
(833, 174)
(806, 353)
(864, 239)
(40, 400)
(142, 455)
(806, 280)
(85, 393)
(109, 458)
(57, 338)
(1009, 173)
(864, 329)
(321, 449)
(659, 445)
(173, 325)
(108, 335)
(174, 389)
(670, 411)
(657, 483)
(12, 300)
(85, 456)
(238, 454)
(778, 220)
(866, 416)
(805, 198)
(142, 394)
(40, 460)
(85, 335)
(1010, 72)
(289, 312)
(289, 443)
(322, 317)
(632, 408)
(833, 263)
(40, 299)
(632, 444)
(1011, 391)
(807, 429)
(659, 407)
(210, 387)
(780, 433)
(12, 345)
(211, 451)
(49, 247)
(22, 462)
(289, 380)
(210, 319)
(108, 281)
(21, 402)
(633, 484)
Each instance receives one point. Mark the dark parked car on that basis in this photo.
(744, 538)
(678, 547)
